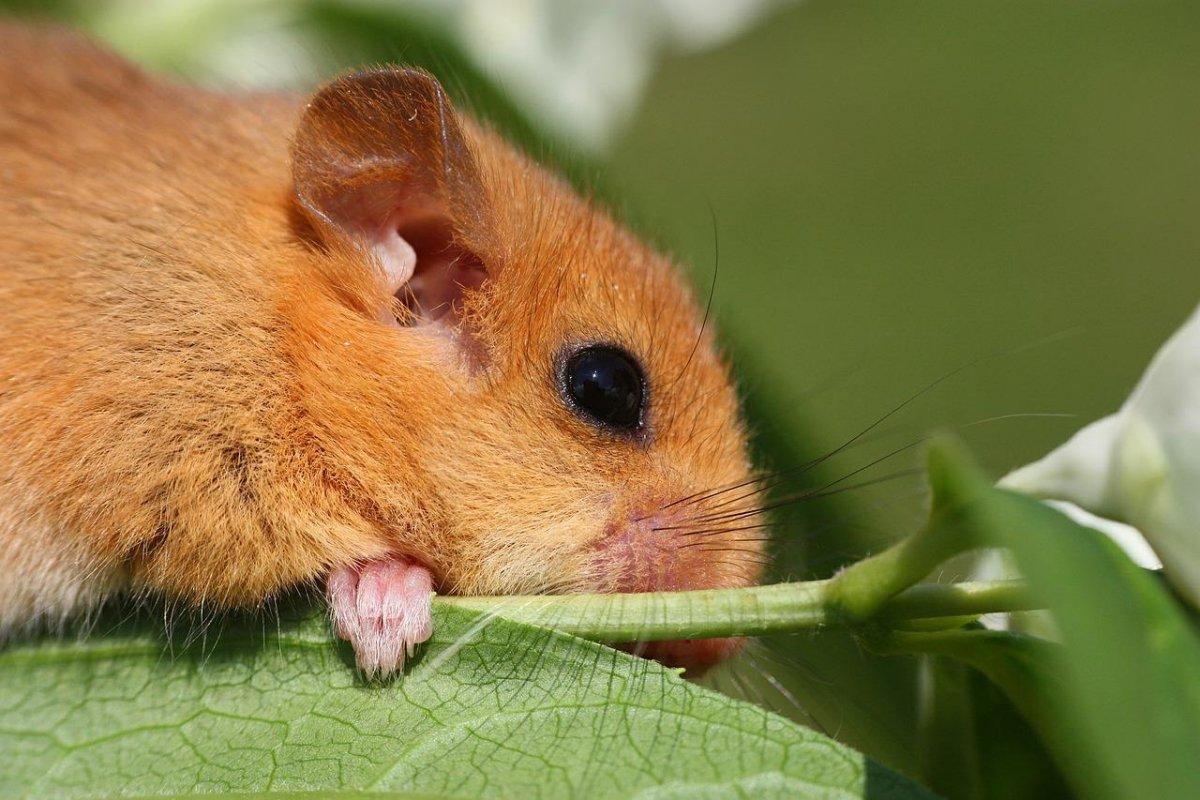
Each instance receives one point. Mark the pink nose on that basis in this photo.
(696, 656)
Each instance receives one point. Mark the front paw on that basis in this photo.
(383, 609)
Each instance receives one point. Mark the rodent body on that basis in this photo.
(250, 340)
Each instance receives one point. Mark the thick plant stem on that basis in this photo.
(752, 611)
(862, 589)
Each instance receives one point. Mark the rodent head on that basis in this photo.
(509, 386)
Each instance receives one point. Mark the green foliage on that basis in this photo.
(492, 709)
(1118, 701)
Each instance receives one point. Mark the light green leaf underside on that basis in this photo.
(489, 710)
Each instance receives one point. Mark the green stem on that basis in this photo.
(752, 611)
(971, 598)
(863, 588)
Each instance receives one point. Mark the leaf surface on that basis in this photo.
(490, 709)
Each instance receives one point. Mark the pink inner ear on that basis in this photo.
(442, 273)
(396, 256)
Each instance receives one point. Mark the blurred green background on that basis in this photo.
(1000, 194)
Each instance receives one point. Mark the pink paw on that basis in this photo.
(382, 608)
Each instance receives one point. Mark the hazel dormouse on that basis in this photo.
(353, 340)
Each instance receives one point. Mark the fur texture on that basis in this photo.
(208, 390)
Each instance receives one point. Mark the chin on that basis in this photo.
(694, 656)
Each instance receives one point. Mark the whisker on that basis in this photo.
(1021, 415)
(705, 495)
(818, 495)
(824, 491)
(716, 531)
(712, 288)
(904, 473)
(708, 533)
(778, 686)
(763, 476)
(748, 539)
(856, 437)
(749, 691)
(751, 552)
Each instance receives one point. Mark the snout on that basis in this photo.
(678, 548)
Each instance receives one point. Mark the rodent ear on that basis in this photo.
(379, 160)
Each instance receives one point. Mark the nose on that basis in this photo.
(695, 656)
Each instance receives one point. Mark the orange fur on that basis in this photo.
(198, 397)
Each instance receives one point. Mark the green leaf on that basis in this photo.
(948, 736)
(1119, 701)
(490, 709)
(825, 679)
(1028, 670)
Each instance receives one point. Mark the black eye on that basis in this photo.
(605, 386)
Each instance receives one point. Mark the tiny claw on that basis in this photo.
(383, 609)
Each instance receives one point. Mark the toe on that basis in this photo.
(383, 609)
(341, 589)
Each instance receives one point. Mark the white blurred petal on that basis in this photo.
(577, 66)
(1141, 465)
(1127, 537)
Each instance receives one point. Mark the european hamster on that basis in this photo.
(255, 341)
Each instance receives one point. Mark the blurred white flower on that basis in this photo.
(1140, 466)
(577, 67)
(1127, 537)
(249, 44)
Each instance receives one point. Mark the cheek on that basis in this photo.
(511, 564)
(525, 534)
